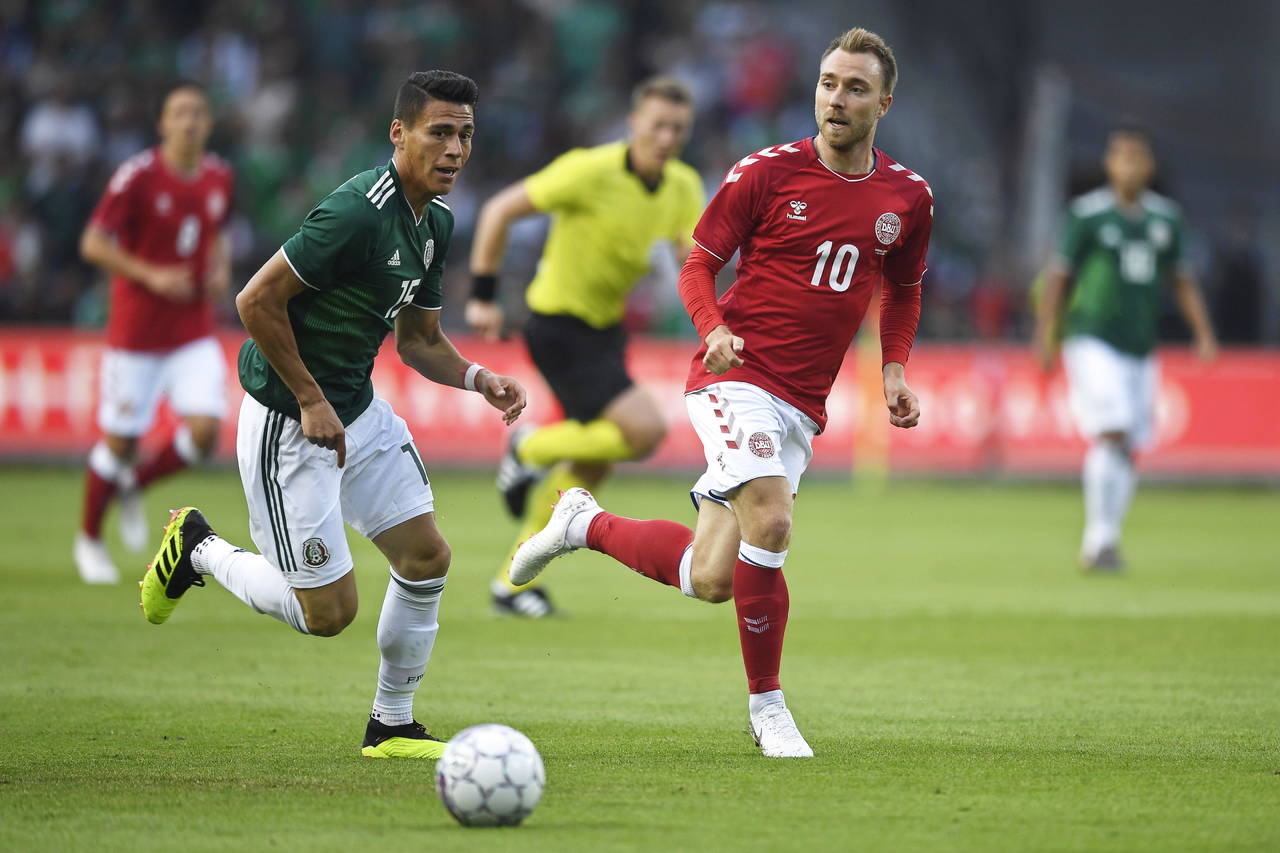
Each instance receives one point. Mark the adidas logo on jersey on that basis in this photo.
(395, 259)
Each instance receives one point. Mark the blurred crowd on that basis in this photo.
(303, 90)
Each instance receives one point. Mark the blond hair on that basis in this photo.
(663, 86)
(859, 40)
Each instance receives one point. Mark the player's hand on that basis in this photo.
(723, 348)
(173, 282)
(904, 406)
(1206, 348)
(503, 393)
(484, 318)
(322, 427)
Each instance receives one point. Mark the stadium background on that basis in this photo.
(1003, 106)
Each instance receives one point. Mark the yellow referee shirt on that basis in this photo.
(604, 222)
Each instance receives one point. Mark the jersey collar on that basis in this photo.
(850, 179)
(395, 178)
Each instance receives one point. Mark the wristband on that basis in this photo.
(469, 379)
(484, 287)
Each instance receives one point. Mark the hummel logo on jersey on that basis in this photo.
(797, 211)
(395, 259)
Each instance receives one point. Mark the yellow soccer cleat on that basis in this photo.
(171, 574)
(408, 741)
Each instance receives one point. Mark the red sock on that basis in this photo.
(164, 463)
(760, 596)
(652, 548)
(97, 494)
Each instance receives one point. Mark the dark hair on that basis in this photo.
(423, 86)
(1135, 128)
(663, 86)
(178, 86)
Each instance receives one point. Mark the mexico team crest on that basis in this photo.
(314, 552)
(888, 227)
(761, 444)
(428, 252)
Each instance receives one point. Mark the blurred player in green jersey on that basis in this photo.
(609, 205)
(317, 448)
(1122, 244)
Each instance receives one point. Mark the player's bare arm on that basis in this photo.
(724, 350)
(173, 281)
(1048, 315)
(263, 307)
(904, 405)
(483, 312)
(423, 345)
(218, 280)
(1186, 291)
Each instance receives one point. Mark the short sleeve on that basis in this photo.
(562, 183)
(906, 265)
(431, 293)
(117, 204)
(335, 239)
(1075, 241)
(732, 213)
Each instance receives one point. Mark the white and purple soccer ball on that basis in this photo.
(490, 775)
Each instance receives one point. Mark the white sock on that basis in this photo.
(1123, 482)
(251, 578)
(686, 572)
(1097, 480)
(406, 632)
(757, 702)
(576, 533)
(108, 466)
(185, 446)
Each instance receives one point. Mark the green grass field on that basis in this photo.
(963, 686)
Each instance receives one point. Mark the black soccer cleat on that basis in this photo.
(531, 603)
(515, 478)
(410, 740)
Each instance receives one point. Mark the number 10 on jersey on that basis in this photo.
(846, 258)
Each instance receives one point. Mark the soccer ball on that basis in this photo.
(490, 775)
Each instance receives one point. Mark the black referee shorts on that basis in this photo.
(585, 366)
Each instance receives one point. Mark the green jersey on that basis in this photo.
(364, 257)
(1120, 259)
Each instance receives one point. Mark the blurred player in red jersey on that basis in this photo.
(819, 223)
(158, 231)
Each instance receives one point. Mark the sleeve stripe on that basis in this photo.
(907, 284)
(427, 307)
(708, 251)
(285, 255)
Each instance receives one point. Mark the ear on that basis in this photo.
(397, 133)
(884, 106)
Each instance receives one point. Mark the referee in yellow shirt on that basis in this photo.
(608, 206)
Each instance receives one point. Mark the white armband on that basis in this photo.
(469, 379)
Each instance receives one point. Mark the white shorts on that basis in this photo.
(746, 433)
(1111, 391)
(193, 377)
(299, 498)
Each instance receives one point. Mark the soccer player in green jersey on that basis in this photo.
(1120, 245)
(316, 446)
(609, 205)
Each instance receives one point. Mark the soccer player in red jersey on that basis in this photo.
(818, 223)
(158, 231)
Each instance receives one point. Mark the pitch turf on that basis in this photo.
(963, 687)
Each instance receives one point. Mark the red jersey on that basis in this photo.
(813, 245)
(162, 217)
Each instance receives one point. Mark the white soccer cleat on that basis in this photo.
(133, 522)
(550, 542)
(776, 734)
(93, 562)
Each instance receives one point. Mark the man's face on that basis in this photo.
(659, 129)
(1129, 161)
(436, 146)
(185, 120)
(848, 101)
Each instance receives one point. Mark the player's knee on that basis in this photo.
(648, 438)
(426, 565)
(772, 531)
(714, 590)
(329, 623)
